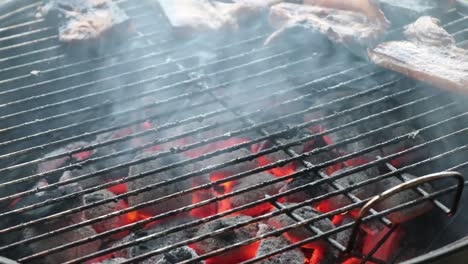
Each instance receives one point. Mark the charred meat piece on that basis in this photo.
(195, 16)
(350, 28)
(367, 7)
(427, 56)
(89, 22)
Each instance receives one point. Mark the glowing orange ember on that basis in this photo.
(118, 189)
(325, 206)
(317, 255)
(352, 261)
(83, 155)
(221, 189)
(203, 211)
(390, 245)
(278, 171)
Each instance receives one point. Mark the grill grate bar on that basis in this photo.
(338, 229)
(26, 33)
(241, 131)
(50, 59)
(269, 215)
(292, 153)
(65, 66)
(55, 36)
(19, 10)
(251, 126)
(134, 135)
(208, 201)
(147, 56)
(24, 24)
(405, 177)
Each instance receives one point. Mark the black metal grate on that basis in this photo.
(48, 100)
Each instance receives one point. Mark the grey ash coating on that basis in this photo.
(272, 244)
(155, 193)
(157, 243)
(225, 239)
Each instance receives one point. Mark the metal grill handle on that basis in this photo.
(405, 186)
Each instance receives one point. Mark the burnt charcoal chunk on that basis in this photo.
(104, 209)
(227, 239)
(61, 239)
(161, 191)
(254, 195)
(235, 168)
(309, 192)
(362, 192)
(87, 22)
(347, 27)
(301, 233)
(272, 244)
(177, 255)
(429, 56)
(53, 208)
(156, 243)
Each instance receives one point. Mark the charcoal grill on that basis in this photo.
(49, 99)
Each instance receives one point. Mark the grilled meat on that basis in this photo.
(90, 22)
(428, 55)
(347, 27)
(194, 16)
(367, 7)
(426, 30)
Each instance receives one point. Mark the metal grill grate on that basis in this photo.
(70, 99)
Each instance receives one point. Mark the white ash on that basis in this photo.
(161, 191)
(272, 244)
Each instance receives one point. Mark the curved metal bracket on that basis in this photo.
(405, 186)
